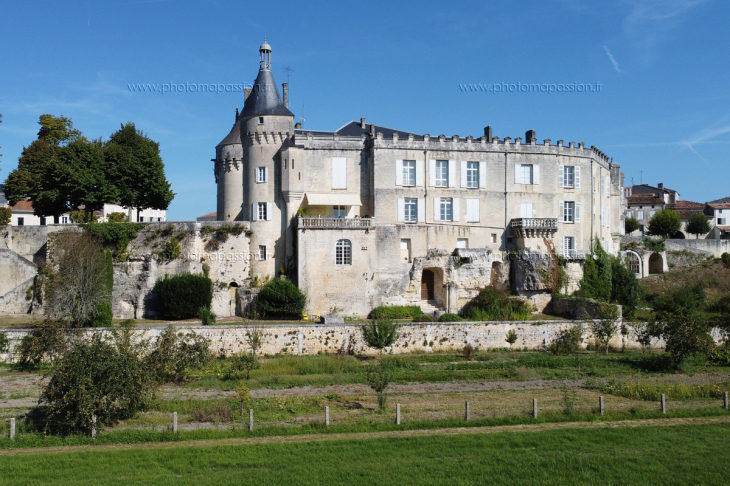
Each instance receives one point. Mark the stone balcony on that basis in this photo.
(335, 223)
(534, 227)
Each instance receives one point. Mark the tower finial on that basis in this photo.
(265, 55)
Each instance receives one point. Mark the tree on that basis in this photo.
(698, 225)
(379, 377)
(96, 377)
(175, 354)
(631, 225)
(511, 338)
(138, 169)
(605, 326)
(665, 223)
(597, 275)
(5, 216)
(80, 291)
(379, 333)
(683, 336)
(58, 131)
(625, 288)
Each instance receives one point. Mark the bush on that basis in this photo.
(631, 225)
(423, 318)
(494, 305)
(396, 312)
(380, 333)
(654, 244)
(95, 377)
(597, 275)
(5, 216)
(114, 235)
(172, 249)
(681, 301)
(625, 288)
(468, 351)
(450, 318)
(280, 298)
(511, 337)
(116, 217)
(206, 316)
(176, 354)
(568, 341)
(46, 342)
(4, 342)
(684, 336)
(181, 296)
(82, 217)
(218, 411)
(725, 257)
(378, 378)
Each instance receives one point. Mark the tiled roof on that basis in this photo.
(688, 204)
(25, 205)
(719, 206)
(644, 198)
(208, 215)
(723, 228)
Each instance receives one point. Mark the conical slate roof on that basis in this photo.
(234, 137)
(264, 98)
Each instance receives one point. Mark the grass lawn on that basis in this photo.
(688, 454)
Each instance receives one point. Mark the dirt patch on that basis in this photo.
(372, 435)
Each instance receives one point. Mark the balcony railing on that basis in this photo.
(534, 227)
(335, 223)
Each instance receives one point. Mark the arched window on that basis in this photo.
(343, 252)
(634, 263)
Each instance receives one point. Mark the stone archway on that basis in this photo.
(656, 264)
(428, 285)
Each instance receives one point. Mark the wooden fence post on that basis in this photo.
(12, 428)
(250, 420)
(93, 426)
(174, 422)
(467, 415)
(326, 415)
(664, 403)
(601, 405)
(724, 400)
(397, 413)
(534, 408)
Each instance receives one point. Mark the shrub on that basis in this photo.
(46, 342)
(218, 411)
(175, 354)
(494, 305)
(378, 378)
(206, 316)
(181, 296)
(631, 225)
(116, 217)
(95, 377)
(172, 249)
(725, 257)
(423, 318)
(244, 362)
(380, 333)
(114, 235)
(683, 301)
(597, 275)
(280, 298)
(683, 336)
(5, 216)
(511, 337)
(450, 318)
(396, 312)
(468, 351)
(82, 217)
(625, 288)
(568, 341)
(4, 342)
(654, 244)
(605, 327)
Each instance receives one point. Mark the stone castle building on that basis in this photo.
(367, 215)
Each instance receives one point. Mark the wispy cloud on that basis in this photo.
(612, 59)
(649, 21)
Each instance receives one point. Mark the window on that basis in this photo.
(628, 214)
(140, 219)
(21, 221)
(343, 252)
(640, 215)
(405, 249)
(462, 243)
(446, 208)
(634, 263)
(262, 211)
(568, 176)
(43, 221)
(568, 212)
(411, 210)
(261, 174)
(409, 172)
(472, 175)
(262, 252)
(64, 219)
(442, 173)
(338, 211)
(568, 245)
(720, 221)
(652, 213)
(493, 237)
(261, 120)
(526, 174)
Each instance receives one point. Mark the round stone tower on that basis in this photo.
(265, 124)
(228, 175)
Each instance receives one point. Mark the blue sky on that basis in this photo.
(663, 109)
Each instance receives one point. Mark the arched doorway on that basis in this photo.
(427, 285)
(678, 236)
(656, 264)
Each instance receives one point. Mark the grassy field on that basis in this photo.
(690, 454)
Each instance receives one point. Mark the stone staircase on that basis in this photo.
(429, 307)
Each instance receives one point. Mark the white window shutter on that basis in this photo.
(436, 209)
(577, 212)
(518, 173)
(432, 173)
(535, 174)
(419, 173)
(268, 211)
(401, 209)
(561, 174)
(254, 211)
(482, 175)
(339, 173)
(576, 181)
(421, 210)
(463, 173)
(456, 210)
(472, 210)
(608, 217)
(452, 173)
(398, 173)
(561, 209)
(529, 210)
(266, 174)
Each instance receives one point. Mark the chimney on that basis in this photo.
(298, 125)
(362, 123)
(246, 92)
(285, 89)
(660, 185)
(488, 132)
(530, 136)
(236, 114)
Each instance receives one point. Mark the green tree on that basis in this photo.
(683, 336)
(625, 288)
(58, 131)
(379, 333)
(5, 215)
(631, 225)
(379, 377)
(137, 169)
(698, 225)
(175, 354)
(597, 275)
(605, 326)
(665, 223)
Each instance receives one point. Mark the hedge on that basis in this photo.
(396, 312)
(182, 296)
(280, 298)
